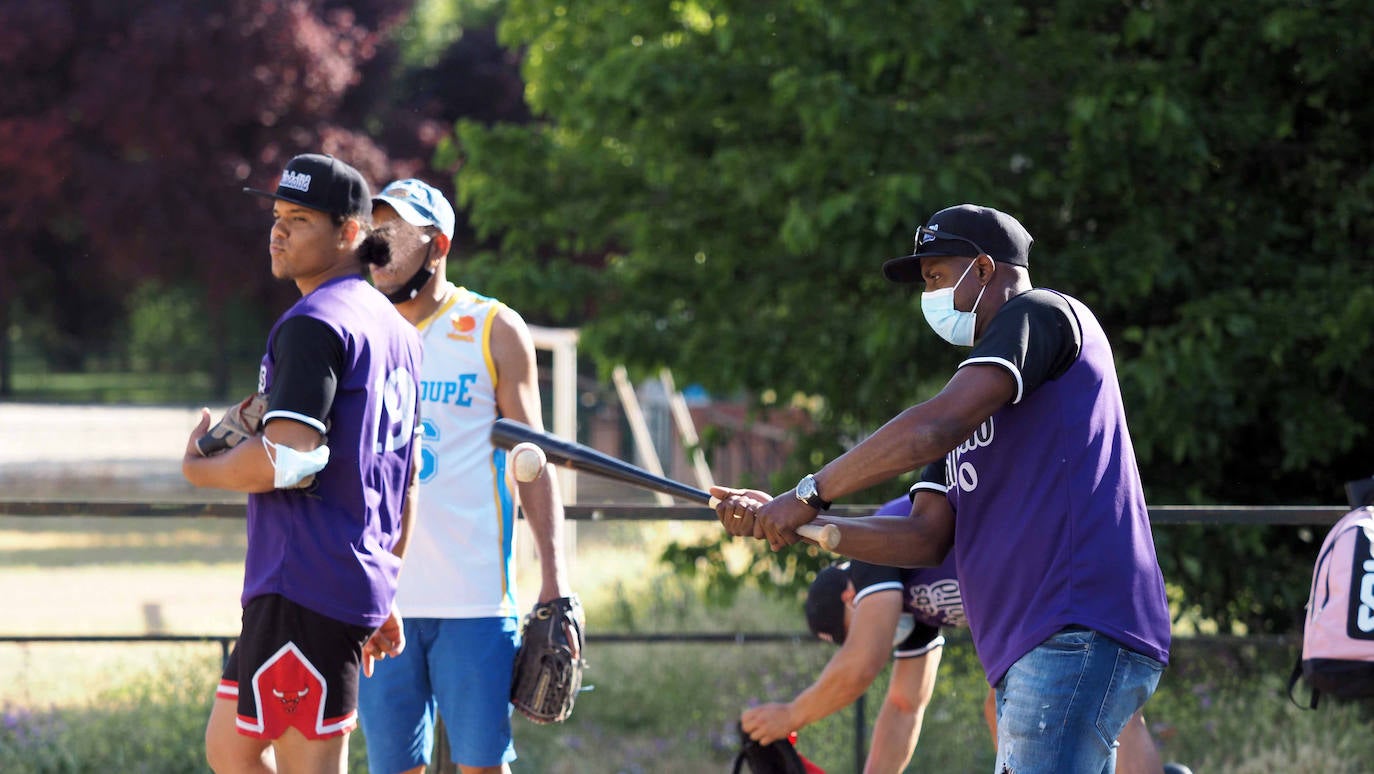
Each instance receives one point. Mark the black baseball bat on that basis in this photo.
(506, 433)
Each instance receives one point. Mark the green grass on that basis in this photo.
(654, 707)
(125, 387)
(671, 708)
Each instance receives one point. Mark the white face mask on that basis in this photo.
(293, 469)
(952, 325)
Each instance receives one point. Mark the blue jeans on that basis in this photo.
(1061, 706)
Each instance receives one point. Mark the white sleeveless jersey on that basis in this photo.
(460, 561)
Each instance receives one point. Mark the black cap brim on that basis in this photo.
(272, 195)
(908, 267)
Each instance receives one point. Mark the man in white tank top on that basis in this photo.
(457, 590)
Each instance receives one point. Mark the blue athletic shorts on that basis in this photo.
(459, 667)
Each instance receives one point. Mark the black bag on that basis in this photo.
(780, 757)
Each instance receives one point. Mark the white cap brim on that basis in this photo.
(409, 213)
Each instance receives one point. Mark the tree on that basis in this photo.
(1197, 173)
(127, 130)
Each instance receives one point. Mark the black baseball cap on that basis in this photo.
(824, 605)
(966, 230)
(322, 183)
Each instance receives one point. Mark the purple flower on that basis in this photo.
(1203, 691)
(17, 719)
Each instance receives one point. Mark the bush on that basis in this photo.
(167, 332)
(154, 723)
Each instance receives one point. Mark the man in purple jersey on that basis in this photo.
(875, 613)
(329, 477)
(1049, 528)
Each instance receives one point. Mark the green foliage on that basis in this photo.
(1260, 587)
(1197, 173)
(97, 200)
(154, 724)
(672, 708)
(432, 26)
(165, 329)
(1226, 708)
(784, 575)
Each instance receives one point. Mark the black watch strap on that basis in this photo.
(812, 499)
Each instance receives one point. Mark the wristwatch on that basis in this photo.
(807, 493)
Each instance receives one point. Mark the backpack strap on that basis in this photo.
(1293, 679)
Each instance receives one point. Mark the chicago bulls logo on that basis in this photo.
(290, 699)
(289, 692)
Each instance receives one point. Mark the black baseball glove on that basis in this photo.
(549, 664)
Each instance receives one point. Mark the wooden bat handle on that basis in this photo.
(713, 502)
(827, 537)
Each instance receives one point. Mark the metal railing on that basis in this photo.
(1292, 515)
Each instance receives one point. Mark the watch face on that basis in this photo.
(806, 488)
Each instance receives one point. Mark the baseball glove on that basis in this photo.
(549, 664)
(239, 422)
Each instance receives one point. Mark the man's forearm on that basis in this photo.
(908, 441)
(244, 468)
(543, 509)
(892, 541)
(410, 509)
(838, 686)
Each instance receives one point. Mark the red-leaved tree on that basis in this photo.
(128, 129)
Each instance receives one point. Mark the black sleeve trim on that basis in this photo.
(932, 480)
(922, 640)
(308, 360)
(1036, 336)
(868, 577)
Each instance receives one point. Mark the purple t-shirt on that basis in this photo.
(930, 595)
(328, 547)
(1051, 528)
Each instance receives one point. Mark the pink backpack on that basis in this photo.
(1338, 632)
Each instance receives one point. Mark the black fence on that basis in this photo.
(1294, 515)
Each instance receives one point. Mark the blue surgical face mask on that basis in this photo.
(952, 325)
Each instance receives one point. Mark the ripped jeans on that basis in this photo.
(1061, 706)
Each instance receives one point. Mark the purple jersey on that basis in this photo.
(1051, 528)
(930, 595)
(328, 547)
